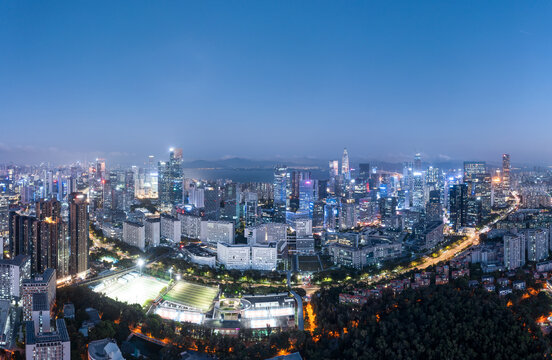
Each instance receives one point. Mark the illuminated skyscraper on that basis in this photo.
(306, 196)
(458, 205)
(78, 232)
(170, 179)
(478, 183)
(345, 167)
(418, 198)
(334, 168)
(506, 172)
(418, 162)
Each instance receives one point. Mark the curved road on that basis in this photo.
(300, 319)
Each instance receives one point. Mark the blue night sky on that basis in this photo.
(278, 79)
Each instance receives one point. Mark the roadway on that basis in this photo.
(299, 300)
(473, 239)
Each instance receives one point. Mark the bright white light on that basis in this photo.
(140, 262)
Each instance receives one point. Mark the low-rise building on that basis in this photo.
(199, 255)
(105, 349)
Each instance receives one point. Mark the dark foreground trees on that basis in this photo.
(443, 322)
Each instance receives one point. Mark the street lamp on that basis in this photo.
(140, 263)
(178, 277)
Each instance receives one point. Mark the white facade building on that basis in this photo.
(191, 225)
(153, 231)
(12, 274)
(514, 251)
(245, 257)
(303, 227)
(266, 233)
(217, 232)
(170, 228)
(234, 256)
(134, 234)
(264, 257)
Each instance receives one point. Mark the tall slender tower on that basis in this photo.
(345, 168)
(78, 231)
(506, 171)
(418, 162)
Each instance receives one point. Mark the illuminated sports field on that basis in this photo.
(136, 291)
(192, 295)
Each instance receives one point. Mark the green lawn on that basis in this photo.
(136, 291)
(193, 295)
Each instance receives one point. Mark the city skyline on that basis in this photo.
(389, 80)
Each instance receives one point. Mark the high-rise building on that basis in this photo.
(334, 168)
(306, 196)
(282, 183)
(171, 228)
(152, 231)
(536, 243)
(506, 172)
(134, 234)
(196, 197)
(12, 273)
(345, 166)
(434, 209)
(418, 162)
(479, 187)
(458, 205)
(418, 191)
(48, 209)
(514, 251)
(171, 178)
(212, 203)
(78, 232)
(347, 215)
(251, 200)
(217, 231)
(44, 283)
(230, 203)
(364, 171)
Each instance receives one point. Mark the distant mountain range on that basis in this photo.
(244, 163)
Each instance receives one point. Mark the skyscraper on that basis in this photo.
(334, 168)
(458, 199)
(418, 162)
(506, 172)
(345, 167)
(433, 208)
(479, 188)
(306, 196)
(170, 179)
(514, 251)
(364, 171)
(78, 232)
